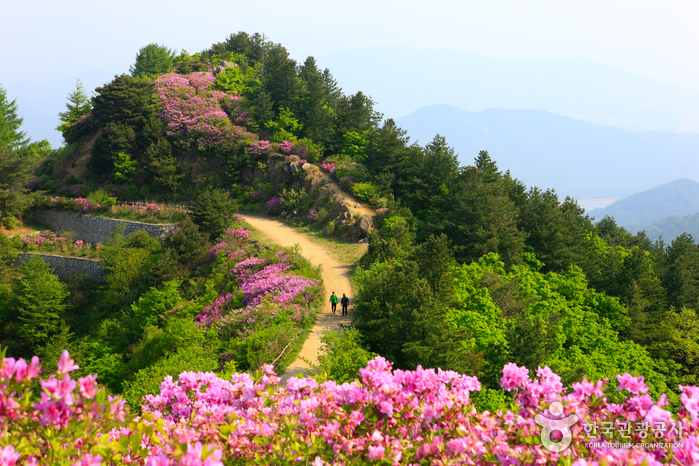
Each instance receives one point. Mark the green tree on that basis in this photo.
(213, 211)
(10, 122)
(280, 80)
(127, 100)
(164, 169)
(681, 277)
(39, 299)
(262, 111)
(314, 107)
(187, 243)
(116, 138)
(253, 47)
(14, 169)
(78, 105)
(679, 344)
(152, 60)
(342, 354)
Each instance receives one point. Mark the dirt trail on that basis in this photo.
(335, 276)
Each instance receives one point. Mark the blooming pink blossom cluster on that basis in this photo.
(259, 148)
(271, 281)
(60, 424)
(424, 416)
(75, 190)
(214, 251)
(85, 205)
(212, 313)
(80, 244)
(258, 280)
(347, 182)
(286, 147)
(421, 416)
(274, 205)
(46, 237)
(192, 111)
(329, 167)
(85, 121)
(239, 234)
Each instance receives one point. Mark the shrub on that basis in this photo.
(101, 197)
(213, 211)
(342, 354)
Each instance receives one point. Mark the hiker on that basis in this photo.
(333, 302)
(344, 302)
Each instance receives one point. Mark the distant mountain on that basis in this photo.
(575, 157)
(671, 227)
(402, 80)
(656, 210)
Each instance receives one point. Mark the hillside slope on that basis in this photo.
(636, 212)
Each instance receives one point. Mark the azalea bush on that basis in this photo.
(265, 301)
(386, 416)
(49, 242)
(192, 112)
(71, 422)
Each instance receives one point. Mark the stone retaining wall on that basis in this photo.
(98, 229)
(68, 267)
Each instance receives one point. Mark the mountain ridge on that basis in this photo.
(575, 157)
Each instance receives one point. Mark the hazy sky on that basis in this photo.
(59, 39)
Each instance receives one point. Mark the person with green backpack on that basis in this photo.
(333, 302)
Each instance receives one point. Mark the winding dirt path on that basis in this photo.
(335, 277)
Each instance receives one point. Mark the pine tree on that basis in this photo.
(15, 167)
(163, 167)
(152, 60)
(280, 80)
(10, 135)
(39, 297)
(78, 105)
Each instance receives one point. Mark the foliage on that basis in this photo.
(127, 100)
(10, 122)
(35, 304)
(152, 60)
(124, 167)
(192, 113)
(212, 211)
(164, 169)
(14, 168)
(116, 138)
(403, 417)
(187, 243)
(342, 355)
(77, 106)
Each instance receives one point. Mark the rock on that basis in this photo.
(363, 240)
(228, 64)
(219, 69)
(357, 206)
(294, 167)
(366, 224)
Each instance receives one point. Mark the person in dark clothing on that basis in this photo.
(344, 302)
(333, 302)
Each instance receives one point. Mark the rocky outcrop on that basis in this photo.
(343, 208)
